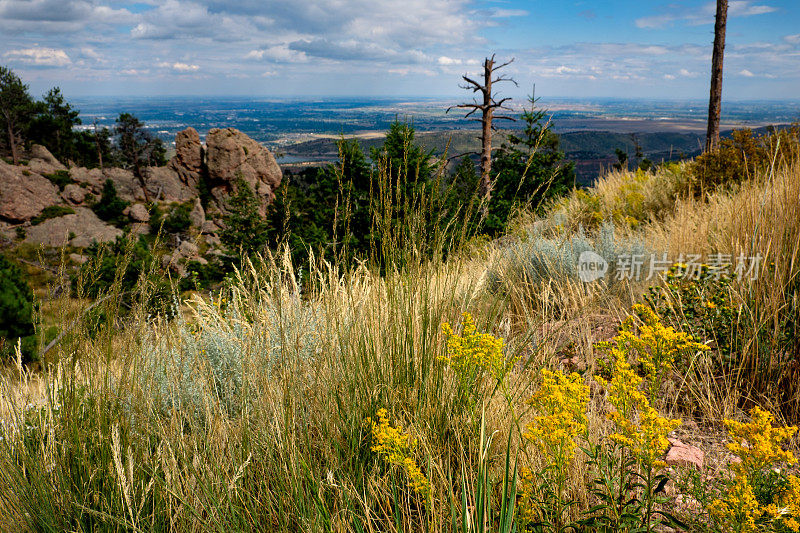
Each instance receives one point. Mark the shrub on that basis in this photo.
(743, 156)
(758, 494)
(59, 178)
(110, 206)
(16, 311)
(220, 345)
(540, 259)
(176, 219)
(700, 304)
(53, 211)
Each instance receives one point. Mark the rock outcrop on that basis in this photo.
(24, 194)
(188, 159)
(79, 229)
(74, 194)
(231, 155)
(42, 161)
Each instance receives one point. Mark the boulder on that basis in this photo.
(42, 161)
(74, 194)
(24, 194)
(187, 249)
(197, 216)
(230, 155)
(127, 185)
(138, 213)
(79, 229)
(188, 159)
(682, 454)
(164, 183)
(209, 227)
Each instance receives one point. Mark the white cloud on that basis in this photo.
(506, 13)
(43, 57)
(279, 53)
(792, 39)
(179, 66)
(444, 60)
(669, 76)
(746, 73)
(704, 15)
(687, 73)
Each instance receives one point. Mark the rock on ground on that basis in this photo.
(74, 194)
(42, 161)
(22, 196)
(79, 229)
(682, 454)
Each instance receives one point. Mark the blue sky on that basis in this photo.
(279, 48)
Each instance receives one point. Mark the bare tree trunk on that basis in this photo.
(97, 144)
(486, 133)
(486, 106)
(140, 174)
(715, 98)
(12, 142)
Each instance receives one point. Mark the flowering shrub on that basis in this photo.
(760, 495)
(638, 425)
(397, 448)
(473, 354)
(560, 406)
(629, 473)
(654, 346)
(699, 303)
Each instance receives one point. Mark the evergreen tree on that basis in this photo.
(16, 311)
(530, 169)
(16, 110)
(53, 126)
(110, 206)
(138, 148)
(246, 231)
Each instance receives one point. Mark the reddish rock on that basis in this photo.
(79, 229)
(682, 454)
(74, 194)
(230, 155)
(188, 160)
(164, 184)
(24, 194)
(42, 161)
(138, 213)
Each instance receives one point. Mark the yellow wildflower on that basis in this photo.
(655, 346)
(758, 446)
(757, 443)
(397, 447)
(639, 426)
(560, 403)
(739, 510)
(472, 353)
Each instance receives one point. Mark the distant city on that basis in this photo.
(302, 132)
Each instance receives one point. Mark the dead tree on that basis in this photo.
(487, 106)
(715, 98)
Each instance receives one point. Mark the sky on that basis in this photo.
(398, 48)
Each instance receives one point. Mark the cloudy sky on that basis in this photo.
(626, 48)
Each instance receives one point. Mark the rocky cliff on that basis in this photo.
(45, 202)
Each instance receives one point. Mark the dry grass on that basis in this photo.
(251, 412)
